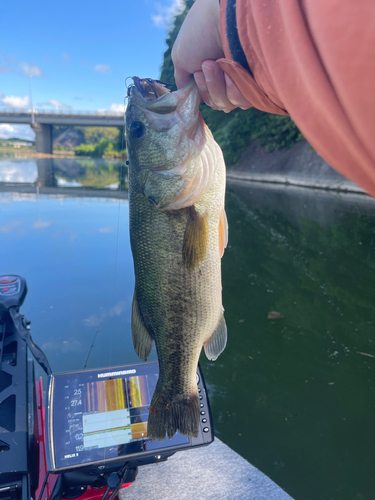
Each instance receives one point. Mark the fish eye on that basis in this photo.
(137, 130)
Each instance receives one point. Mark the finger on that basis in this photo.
(181, 76)
(234, 95)
(216, 85)
(203, 91)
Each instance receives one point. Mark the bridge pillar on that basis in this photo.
(46, 173)
(43, 137)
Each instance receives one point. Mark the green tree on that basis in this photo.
(93, 150)
(93, 135)
(167, 72)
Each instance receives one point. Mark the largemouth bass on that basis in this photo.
(178, 232)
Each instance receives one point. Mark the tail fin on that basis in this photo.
(169, 414)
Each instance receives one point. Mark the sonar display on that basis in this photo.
(102, 415)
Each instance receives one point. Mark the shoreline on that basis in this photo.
(33, 154)
(290, 182)
(17, 153)
(298, 166)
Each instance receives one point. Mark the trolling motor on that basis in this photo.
(13, 290)
(89, 440)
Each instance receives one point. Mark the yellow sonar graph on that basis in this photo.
(106, 395)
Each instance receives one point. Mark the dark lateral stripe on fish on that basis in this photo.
(195, 242)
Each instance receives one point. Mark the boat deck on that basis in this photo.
(213, 472)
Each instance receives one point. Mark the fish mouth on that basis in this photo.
(148, 88)
(154, 95)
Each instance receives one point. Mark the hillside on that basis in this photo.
(70, 138)
(16, 141)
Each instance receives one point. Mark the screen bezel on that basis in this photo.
(201, 440)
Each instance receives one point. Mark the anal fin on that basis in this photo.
(215, 345)
(142, 340)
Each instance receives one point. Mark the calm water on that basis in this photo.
(294, 396)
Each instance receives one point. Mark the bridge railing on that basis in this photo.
(69, 112)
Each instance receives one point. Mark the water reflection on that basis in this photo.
(21, 171)
(64, 172)
(65, 228)
(46, 173)
(296, 395)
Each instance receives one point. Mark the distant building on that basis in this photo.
(16, 144)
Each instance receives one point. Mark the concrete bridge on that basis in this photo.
(42, 122)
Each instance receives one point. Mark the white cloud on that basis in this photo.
(41, 224)
(96, 319)
(15, 102)
(21, 131)
(55, 104)
(31, 69)
(64, 347)
(103, 68)
(6, 130)
(115, 108)
(158, 20)
(166, 13)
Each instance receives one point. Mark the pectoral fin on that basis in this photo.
(215, 345)
(142, 340)
(223, 232)
(196, 237)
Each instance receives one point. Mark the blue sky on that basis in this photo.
(77, 52)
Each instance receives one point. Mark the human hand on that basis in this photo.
(195, 51)
(217, 89)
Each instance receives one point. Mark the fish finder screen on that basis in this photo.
(102, 414)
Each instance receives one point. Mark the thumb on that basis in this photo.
(181, 76)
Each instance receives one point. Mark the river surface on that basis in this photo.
(296, 395)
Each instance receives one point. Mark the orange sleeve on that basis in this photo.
(313, 60)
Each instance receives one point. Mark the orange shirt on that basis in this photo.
(313, 60)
